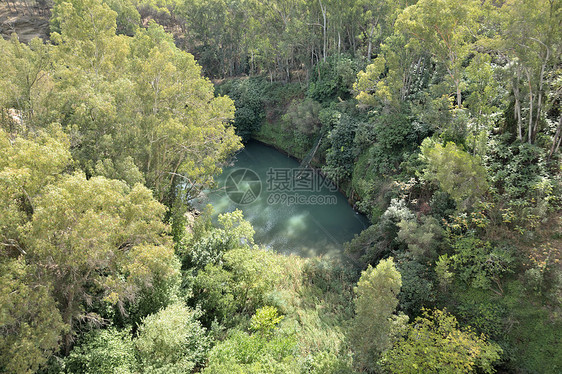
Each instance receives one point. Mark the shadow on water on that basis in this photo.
(292, 211)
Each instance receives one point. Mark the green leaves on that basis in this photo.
(434, 343)
(458, 173)
(171, 340)
(253, 354)
(96, 240)
(103, 351)
(371, 332)
(26, 166)
(370, 87)
(340, 155)
(248, 96)
(265, 320)
(446, 29)
(481, 264)
(131, 104)
(210, 244)
(30, 323)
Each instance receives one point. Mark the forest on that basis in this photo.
(440, 121)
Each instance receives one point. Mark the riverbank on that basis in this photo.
(307, 217)
(265, 136)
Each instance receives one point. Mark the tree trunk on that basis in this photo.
(312, 56)
(517, 113)
(557, 139)
(541, 84)
(530, 130)
(459, 95)
(339, 43)
(517, 106)
(325, 41)
(370, 47)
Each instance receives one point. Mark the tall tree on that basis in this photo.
(24, 75)
(377, 299)
(27, 165)
(445, 28)
(139, 97)
(434, 343)
(90, 240)
(30, 324)
(530, 38)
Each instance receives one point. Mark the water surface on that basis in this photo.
(292, 211)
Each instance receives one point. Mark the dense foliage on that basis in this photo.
(440, 120)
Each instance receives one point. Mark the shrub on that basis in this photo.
(172, 339)
(103, 352)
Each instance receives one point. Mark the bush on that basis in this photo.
(248, 96)
(303, 116)
(208, 244)
(395, 136)
(244, 353)
(237, 286)
(435, 344)
(481, 264)
(326, 363)
(172, 339)
(457, 172)
(417, 289)
(341, 153)
(103, 352)
(332, 79)
(265, 320)
(521, 182)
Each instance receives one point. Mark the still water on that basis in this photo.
(292, 211)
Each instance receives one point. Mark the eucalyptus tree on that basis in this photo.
(446, 29)
(30, 323)
(97, 241)
(435, 343)
(530, 39)
(24, 75)
(377, 299)
(138, 97)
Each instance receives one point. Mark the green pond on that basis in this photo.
(293, 210)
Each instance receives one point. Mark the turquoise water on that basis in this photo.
(292, 211)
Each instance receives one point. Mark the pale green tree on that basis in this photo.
(483, 100)
(377, 18)
(138, 99)
(444, 28)
(458, 173)
(393, 75)
(529, 38)
(171, 341)
(375, 321)
(435, 343)
(24, 76)
(99, 240)
(30, 324)
(27, 165)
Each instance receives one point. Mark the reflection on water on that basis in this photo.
(290, 215)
